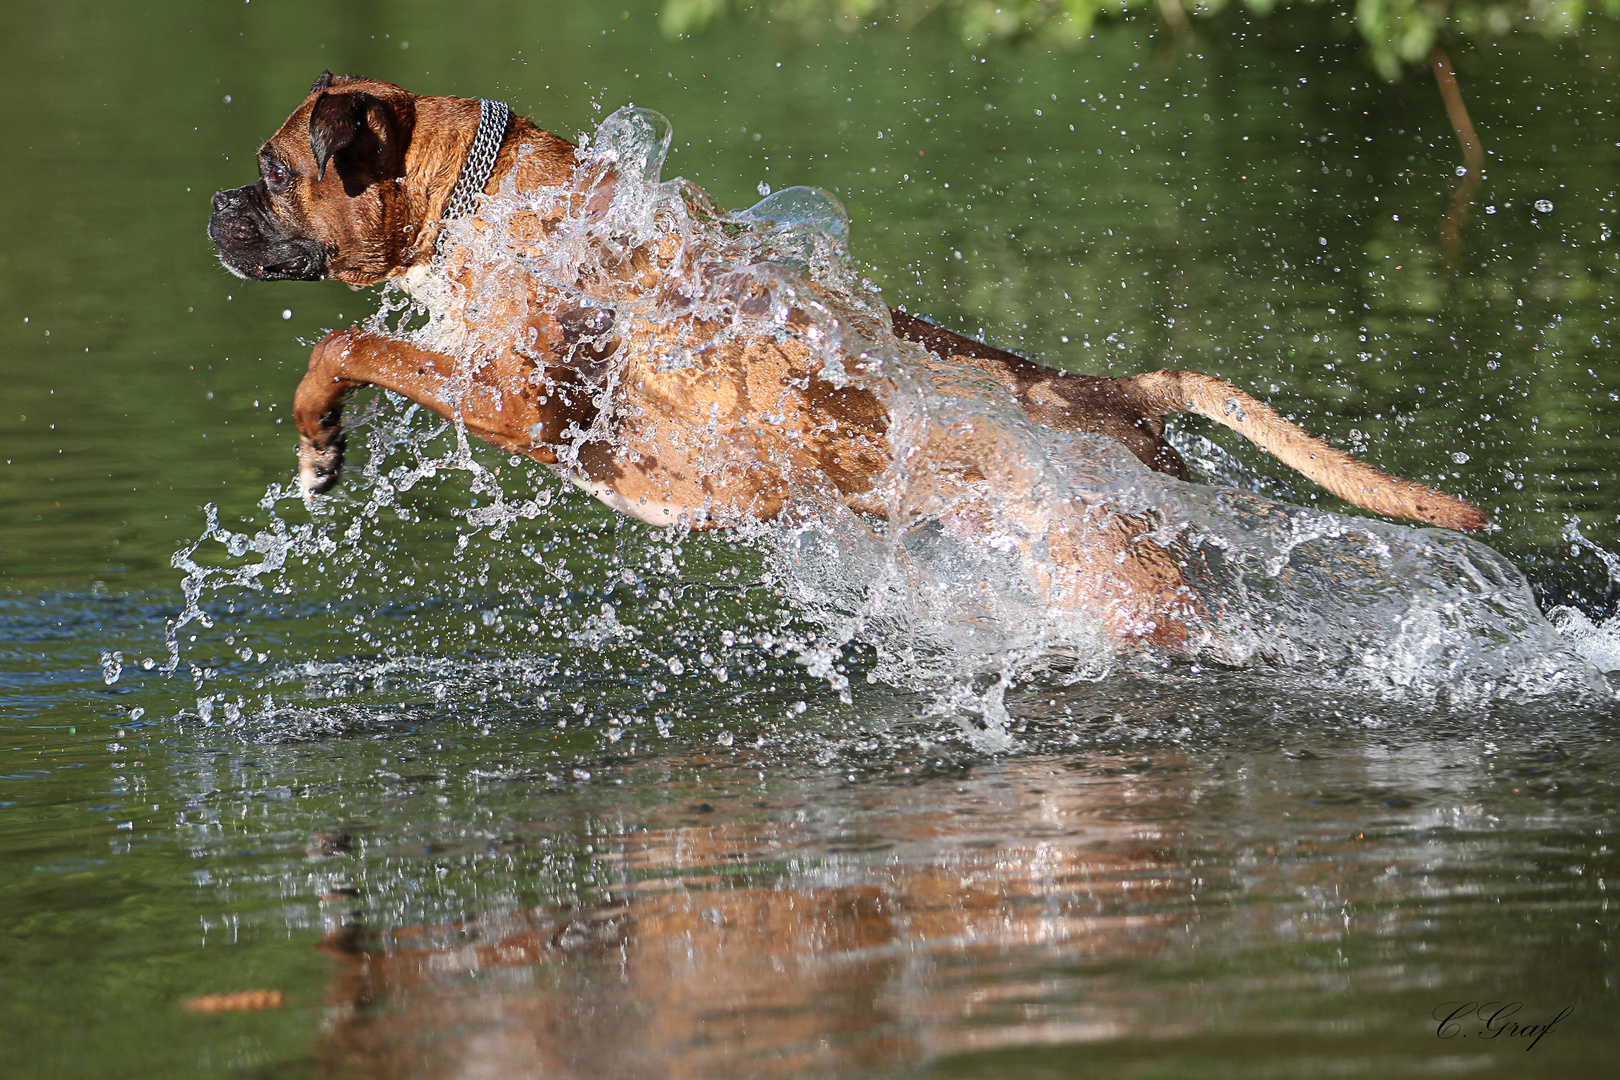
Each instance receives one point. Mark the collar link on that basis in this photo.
(493, 117)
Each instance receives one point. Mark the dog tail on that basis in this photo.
(1161, 392)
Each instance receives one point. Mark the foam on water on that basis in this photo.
(952, 596)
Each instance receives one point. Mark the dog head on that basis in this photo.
(331, 200)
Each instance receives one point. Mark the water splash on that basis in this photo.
(948, 595)
(1599, 642)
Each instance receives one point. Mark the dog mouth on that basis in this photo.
(274, 265)
(253, 244)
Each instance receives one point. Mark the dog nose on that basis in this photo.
(225, 200)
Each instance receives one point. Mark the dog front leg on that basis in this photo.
(341, 362)
(498, 400)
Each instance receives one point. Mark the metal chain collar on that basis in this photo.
(480, 163)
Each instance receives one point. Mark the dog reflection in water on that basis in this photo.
(765, 424)
(711, 959)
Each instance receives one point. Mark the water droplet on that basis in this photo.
(1544, 206)
(286, 313)
(1460, 458)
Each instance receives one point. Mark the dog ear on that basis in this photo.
(358, 123)
(326, 80)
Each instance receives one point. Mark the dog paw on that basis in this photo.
(320, 464)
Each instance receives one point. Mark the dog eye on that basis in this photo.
(276, 175)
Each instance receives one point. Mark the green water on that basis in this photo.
(456, 844)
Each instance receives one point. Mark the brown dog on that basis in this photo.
(361, 180)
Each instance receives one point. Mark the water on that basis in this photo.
(479, 775)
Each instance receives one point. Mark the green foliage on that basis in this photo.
(1397, 33)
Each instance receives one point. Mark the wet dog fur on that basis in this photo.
(352, 188)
